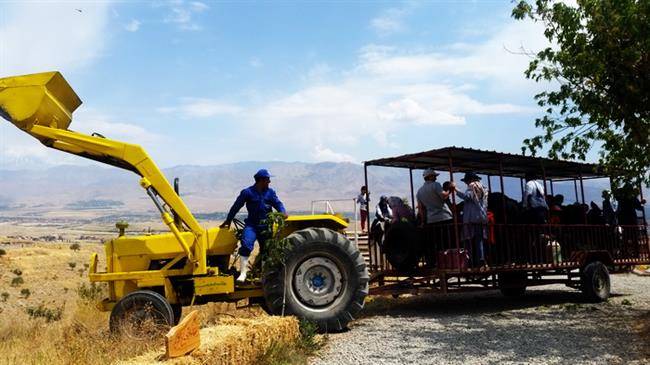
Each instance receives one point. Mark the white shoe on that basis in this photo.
(243, 269)
(241, 278)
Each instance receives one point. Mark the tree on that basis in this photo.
(601, 64)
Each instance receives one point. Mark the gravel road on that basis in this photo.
(549, 325)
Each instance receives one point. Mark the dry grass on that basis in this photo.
(80, 335)
(229, 335)
(232, 341)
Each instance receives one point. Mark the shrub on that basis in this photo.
(2, 252)
(25, 293)
(72, 265)
(50, 314)
(4, 296)
(308, 335)
(17, 281)
(17, 272)
(90, 293)
(75, 247)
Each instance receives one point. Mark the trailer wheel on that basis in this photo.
(141, 314)
(324, 279)
(512, 284)
(595, 282)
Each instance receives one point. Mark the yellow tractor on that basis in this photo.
(323, 278)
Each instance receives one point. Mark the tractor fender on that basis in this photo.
(297, 222)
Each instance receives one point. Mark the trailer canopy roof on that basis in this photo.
(491, 163)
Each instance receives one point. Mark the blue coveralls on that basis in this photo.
(259, 205)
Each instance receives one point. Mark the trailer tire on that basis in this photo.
(595, 283)
(512, 284)
(324, 279)
(141, 314)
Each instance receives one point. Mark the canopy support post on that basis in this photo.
(453, 202)
(412, 194)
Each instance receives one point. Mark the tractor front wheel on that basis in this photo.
(142, 314)
(324, 279)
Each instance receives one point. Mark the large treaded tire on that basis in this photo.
(130, 315)
(595, 283)
(326, 260)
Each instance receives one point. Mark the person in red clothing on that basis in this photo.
(362, 200)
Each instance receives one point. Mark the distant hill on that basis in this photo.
(209, 189)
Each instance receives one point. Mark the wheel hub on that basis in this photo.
(318, 281)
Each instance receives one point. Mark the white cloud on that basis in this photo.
(255, 62)
(20, 150)
(389, 90)
(391, 20)
(201, 108)
(37, 36)
(182, 14)
(321, 154)
(90, 121)
(133, 25)
(198, 6)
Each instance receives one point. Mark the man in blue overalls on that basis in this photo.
(259, 200)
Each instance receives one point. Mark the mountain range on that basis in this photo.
(209, 189)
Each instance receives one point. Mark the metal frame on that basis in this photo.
(388, 281)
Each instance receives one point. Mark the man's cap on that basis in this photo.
(429, 172)
(261, 173)
(469, 177)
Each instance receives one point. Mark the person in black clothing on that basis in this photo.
(609, 215)
(628, 205)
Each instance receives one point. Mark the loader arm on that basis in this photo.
(42, 106)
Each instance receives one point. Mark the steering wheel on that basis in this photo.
(239, 228)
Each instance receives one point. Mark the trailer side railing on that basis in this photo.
(520, 246)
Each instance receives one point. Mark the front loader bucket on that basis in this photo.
(39, 99)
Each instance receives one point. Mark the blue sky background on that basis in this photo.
(214, 82)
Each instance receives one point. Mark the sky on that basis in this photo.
(203, 83)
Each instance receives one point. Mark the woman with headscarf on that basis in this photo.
(475, 219)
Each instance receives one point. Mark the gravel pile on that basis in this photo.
(549, 325)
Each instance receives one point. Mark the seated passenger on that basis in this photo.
(401, 211)
(383, 215)
(595, 215)
(609, 210)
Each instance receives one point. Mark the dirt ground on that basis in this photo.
(549, 325)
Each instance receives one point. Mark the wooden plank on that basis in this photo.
(184, 337)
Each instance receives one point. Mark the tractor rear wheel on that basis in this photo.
(324, 279)
(142, 314)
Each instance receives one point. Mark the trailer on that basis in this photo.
(416, 259)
